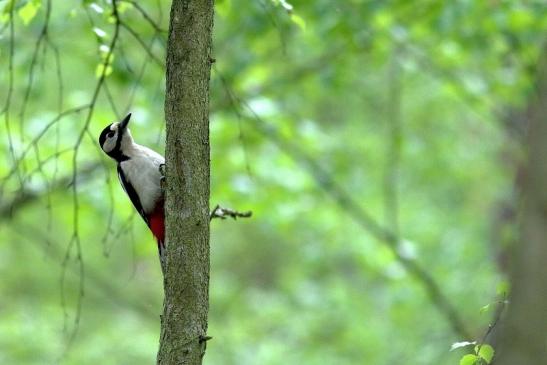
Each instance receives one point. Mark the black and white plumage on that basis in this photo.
(139, 173)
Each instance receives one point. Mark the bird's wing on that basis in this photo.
(130, 191)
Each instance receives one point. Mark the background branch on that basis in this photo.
(349, 206)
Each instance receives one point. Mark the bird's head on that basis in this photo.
(116, 138)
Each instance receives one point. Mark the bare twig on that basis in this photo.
(37, 138)
(145, 15)
(500, 308)
(75, 240)
(41, 37)
(393, 153)
(145, 46)
(223, 213)
(140, 76)
(104, 286)
(28, 196)
(111, 101)
(7, 105)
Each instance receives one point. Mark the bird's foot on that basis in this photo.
(162, 178)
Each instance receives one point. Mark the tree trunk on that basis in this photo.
(186, 263)
(524, 337)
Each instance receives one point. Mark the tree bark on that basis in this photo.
(524, 337)
(186, 262)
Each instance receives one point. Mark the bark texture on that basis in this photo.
(186, 265)
(524, 337)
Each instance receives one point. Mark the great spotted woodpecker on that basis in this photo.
(139, 171)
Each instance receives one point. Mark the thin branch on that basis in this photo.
(145, 15)
(59, 73)
(7, 105)
(41, 37)
(75, 240)
(123, 228)
(147, 48)
(109, 291)
(140, 76)
(38, 137)
(223, 213)
(267, 7)
(60, 94)
(237, 112)
(393, 153)
(500, 307)
(28, 196)
(124, 58)
(111, 101)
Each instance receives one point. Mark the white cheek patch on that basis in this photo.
(109, 144)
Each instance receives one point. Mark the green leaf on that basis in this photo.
(104, 49)
(469, 359)
(383, 19)
(222, 7)
(285, 4)
(110, 58)
(28, 11)
(96, 8)
(99, 32)
(107, 57)
(296, 19)
(485, 308)
(123, 7)
(457, 345)
(8, 7)
(100, 68)
(520, 19)
(486, 352)
(503, 288)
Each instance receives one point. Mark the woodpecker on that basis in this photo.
(139, 172)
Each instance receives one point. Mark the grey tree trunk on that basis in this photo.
(524, 336)
(186, 263)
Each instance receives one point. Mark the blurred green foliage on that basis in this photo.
(302, 281)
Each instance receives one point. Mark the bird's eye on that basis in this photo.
(110, 134)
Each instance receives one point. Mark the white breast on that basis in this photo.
(142, 171)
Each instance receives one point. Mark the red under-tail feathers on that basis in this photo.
(156, 222)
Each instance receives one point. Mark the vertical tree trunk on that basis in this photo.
(524, 337)
(186, 265)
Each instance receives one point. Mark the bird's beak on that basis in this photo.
(125, 121)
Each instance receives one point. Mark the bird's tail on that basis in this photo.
(161, 248)
(157, 226)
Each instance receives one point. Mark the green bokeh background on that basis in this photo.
(301, 282)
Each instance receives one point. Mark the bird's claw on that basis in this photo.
(162, 178)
